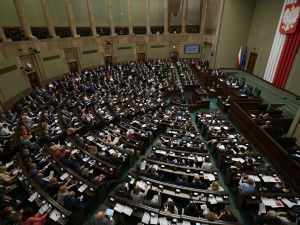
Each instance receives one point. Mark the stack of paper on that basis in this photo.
(119, 208)
(127, 210)
(54, 215)
(209, 176)
(154, 219)
(82, 188)
(32, 197)
(146, 218)
(44, 208)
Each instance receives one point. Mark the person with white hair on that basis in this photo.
(101, 219)
(269, 218)
(155, 202)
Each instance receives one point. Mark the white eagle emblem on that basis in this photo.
(290, 17)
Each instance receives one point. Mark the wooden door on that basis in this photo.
(174, 55)
(251, 62)
(108, 60)
(33, 79)
(141, 57)
(73, 67)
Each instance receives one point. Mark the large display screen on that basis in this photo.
(192, 49)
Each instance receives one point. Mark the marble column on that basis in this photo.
(203, 17)
(148, 17)
(184, 12)
(129, 17)
(71, 18)
(48, 19)
(3, 37)
(19, 6)
(92, 17)
(111, 18)
(166, 19)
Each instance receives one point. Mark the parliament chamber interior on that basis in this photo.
(149, 112)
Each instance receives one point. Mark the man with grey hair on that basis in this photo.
(269, 218)
(155, 202)
(100, 219)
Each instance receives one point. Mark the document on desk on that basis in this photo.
(111, 151)
(161, 152)
(132, 181)
(119, 208)
(276, 203)
(163, 221)
(85, 159)
(44, 208)
(254, 177)
(266, 201)
(146, 218)
(54, 215)
(91, 138)
(219, 199)
(212, 200)
(64, 176)
(238, 159)
(262, 208)
(186, 222)
(154, 219)
(143, 165)
(127, 210)
(74, 151)
(199, 159)
(141, 184)
(209, 176)
(82, 188)
(33, 196)
(287, 202)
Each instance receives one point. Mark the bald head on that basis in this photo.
(100, 215)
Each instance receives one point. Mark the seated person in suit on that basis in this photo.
(41, 181)
(196, 183)
(249, 165)
(267, 125)
(248, 187)
(73, 204)
(123, 192)
(260, 120)
(102, 181)
(155, 202)
(69, 160)
(192, 210)
(183, 181)
(269, 218)
(12, 216)
(284, 188)
(154, 175)
(6, 200)
(100, 219)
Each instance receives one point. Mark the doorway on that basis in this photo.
(108, 60)
(73, 67)
(251, 62)
(174, 55)
(141, 57)
(33, 79)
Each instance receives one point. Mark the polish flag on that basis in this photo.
(238, 59)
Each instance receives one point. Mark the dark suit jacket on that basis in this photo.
(261, 220)
(199, 185)
(72, 204)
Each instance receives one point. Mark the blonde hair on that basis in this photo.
(63, 190)
(215, 186)
(136, 190)
(158, 143)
